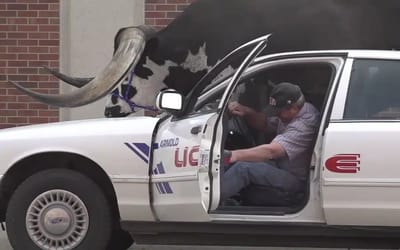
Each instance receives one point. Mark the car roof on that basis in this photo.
(361, 54)
(370, 54)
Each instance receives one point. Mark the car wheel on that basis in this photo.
(58, 209)
(120, 240)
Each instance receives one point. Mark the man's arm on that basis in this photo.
(257, 120)
(260, 153)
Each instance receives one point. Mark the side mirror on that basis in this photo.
(170, 101)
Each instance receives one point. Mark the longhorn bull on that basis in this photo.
(180, 54)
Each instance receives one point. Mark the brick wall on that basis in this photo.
(29, 38)
(159, 13)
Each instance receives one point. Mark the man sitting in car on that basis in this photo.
(282, 164)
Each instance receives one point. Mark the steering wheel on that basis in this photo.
(240, 135)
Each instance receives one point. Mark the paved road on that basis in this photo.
(4, 245)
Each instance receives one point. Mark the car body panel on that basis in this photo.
(128, 149)
(360, 182)
(360, 177)
(107, 142)
(176, 171)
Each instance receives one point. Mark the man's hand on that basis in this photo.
(256, 120)
(238, 109)
(234, 156)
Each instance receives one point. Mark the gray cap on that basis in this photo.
(283, 95)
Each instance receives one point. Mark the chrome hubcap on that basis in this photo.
(57, 219)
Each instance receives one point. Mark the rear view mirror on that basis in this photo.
(169, 100)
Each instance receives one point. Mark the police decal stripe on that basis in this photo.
(140, 149)
(162, 187)
(144, 148)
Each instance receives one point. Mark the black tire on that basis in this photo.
(98, 210)
(120, 240)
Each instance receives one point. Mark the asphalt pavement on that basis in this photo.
(4, 245)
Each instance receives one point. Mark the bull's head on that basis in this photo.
(137, 91)
(189, 46)
(129, 45)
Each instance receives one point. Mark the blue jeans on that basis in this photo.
(242, 174)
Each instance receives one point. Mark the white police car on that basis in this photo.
(70, 185)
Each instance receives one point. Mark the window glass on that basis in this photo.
(253, 88)
(374, 91)
(210, 104)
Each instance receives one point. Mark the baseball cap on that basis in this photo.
(283, 95)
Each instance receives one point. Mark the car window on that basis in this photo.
(252, 90)
(214, 95)
(244, 54)
(209, 101)
(374, 91)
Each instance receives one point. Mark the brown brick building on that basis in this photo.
(30, 38)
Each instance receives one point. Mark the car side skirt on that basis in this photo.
(265, 234)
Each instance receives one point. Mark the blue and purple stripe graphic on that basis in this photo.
(142, 150)
(162, 187)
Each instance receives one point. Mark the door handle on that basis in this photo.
(196, 130)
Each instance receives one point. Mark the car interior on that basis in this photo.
(253, 90)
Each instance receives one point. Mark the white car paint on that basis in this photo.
(100, 140)
(180, 185)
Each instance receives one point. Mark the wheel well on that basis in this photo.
(43, 161)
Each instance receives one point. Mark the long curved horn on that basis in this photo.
(80, 82)
(74, 81)
(132, 43)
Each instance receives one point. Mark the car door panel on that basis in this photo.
(186, 161)
(175, 170)
(359, 185)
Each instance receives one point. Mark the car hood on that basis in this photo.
(101, 140)
(81, 128)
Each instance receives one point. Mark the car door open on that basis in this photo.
(186, 159)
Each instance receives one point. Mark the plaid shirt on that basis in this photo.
(297, 138)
